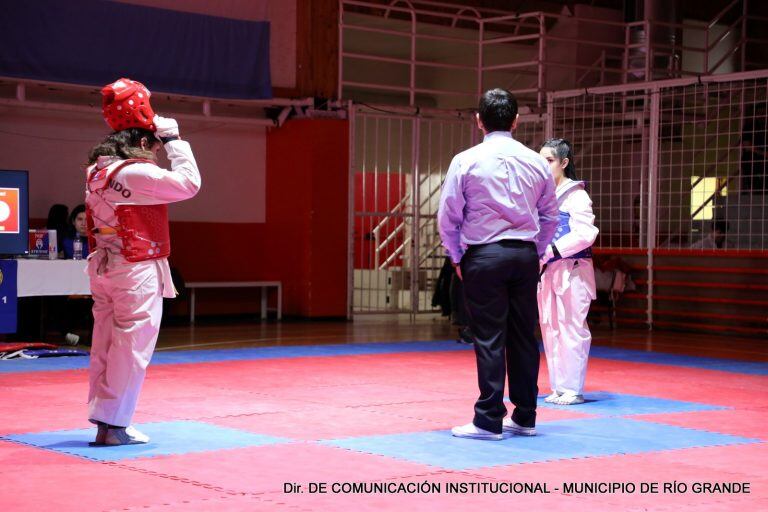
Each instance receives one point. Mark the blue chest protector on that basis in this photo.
(563, 228)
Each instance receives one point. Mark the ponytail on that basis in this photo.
(124, 144)
(562, 149)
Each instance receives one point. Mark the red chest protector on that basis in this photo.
(144, 229)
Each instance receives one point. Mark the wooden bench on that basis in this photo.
(264, 285)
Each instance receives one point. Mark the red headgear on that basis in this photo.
(126, 105)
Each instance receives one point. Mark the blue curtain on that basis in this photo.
(94, 42)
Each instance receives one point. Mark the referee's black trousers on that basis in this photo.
(500, 281)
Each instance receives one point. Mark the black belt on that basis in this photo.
(508, 243)
(516, 243)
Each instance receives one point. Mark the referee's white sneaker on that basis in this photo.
(470, 431)
(510, 427)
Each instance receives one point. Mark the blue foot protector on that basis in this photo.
(166, 438)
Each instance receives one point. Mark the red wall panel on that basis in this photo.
(377, 193)
(303, 242)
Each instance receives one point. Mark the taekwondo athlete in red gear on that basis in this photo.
(126, 207)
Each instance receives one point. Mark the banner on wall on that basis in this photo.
(8, 297)
(94, 42)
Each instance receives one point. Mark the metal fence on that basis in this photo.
(441, 54)
(610, 136)
(673, 167)
(398, 163)
(677, 169)
(677, 165)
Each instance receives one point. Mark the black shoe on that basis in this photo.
(465, 336)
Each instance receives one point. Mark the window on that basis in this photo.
(702, 192)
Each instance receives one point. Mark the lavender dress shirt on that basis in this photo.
(497, 190)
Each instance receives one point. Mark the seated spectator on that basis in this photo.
(449, 296)
(612, 278)
(754, 151)
(57, 219)
(77, 229)
(716, 239)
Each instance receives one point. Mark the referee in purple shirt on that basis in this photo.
(498, 213)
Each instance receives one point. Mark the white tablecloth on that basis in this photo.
(52, 277)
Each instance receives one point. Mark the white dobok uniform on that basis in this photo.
(566, 290)
(128, 297)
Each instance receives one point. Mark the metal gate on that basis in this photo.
(398, 160)
(676, 168)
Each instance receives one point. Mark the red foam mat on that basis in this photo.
(266, 468)
(688, 466)
(449, 413)
(332, 397)
(751, 423)
(443, 502)
(678, 383)
(37, 479)
(437, 372)
(318, 422)
(748, 461)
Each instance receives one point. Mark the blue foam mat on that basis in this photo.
(603, 403)
(259, 353)
(166, 438)
(701, 363)
(251, 353)
(555, 441)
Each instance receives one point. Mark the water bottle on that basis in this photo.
(77, 249)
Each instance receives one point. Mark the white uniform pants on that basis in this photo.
(567, 288)
(128, 306)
